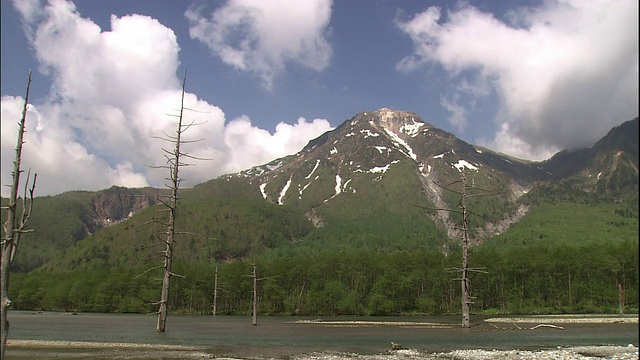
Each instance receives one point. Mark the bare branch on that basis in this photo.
(148, 270)
(177, 275)
(197, 111)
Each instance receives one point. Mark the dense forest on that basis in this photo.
(374, 252)
(540, 265)
(533, 279)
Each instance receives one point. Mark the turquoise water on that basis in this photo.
(287, 337)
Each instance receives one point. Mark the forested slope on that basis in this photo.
(347, 226)
(564, 257)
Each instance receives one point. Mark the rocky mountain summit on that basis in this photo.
(383, 179)
(390, 143)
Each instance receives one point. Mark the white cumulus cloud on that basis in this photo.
(114, 92)
(262, 37)
(564, 72)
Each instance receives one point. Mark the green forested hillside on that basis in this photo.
(58, 222)
(52, 236)
(531, 279)
(563, 257)
(332, 236)
(210, 229)
(562, 223)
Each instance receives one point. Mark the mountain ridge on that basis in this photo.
(371, 180)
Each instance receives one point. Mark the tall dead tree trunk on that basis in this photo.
(621, 298)
(255, 294)
(465, 282)
(175, 160)
(15, 225)
(174, 163)
(466, 292)
(214, 306)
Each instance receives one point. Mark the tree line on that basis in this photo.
(530, 279)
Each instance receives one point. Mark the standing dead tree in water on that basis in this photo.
(255, 294)
(18, 214)
(463, 210)
(175, 160)
(214, 304)
(254, 302)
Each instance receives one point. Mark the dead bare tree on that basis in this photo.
(218, 287)
(175, 160)
(214, 305)
(620, 298)
(462, 209)
(254, 302)
(255, 279)
(18, 214)
(255, 294)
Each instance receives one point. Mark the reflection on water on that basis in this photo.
(288, 337)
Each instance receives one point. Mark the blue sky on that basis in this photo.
(527, 78)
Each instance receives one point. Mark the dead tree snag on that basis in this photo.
(18, 214)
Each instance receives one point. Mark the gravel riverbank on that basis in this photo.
(59, 350)
(566, 319)
(582, 352)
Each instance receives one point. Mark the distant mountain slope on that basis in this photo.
(373, 182)
(610, 166)
(58, 222)
(374, 148)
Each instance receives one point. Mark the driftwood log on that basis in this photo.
(532, 328)
(548, 325)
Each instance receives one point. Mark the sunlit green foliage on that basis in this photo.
(531, 279)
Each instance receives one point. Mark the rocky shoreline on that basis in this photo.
(566, 319)
(581, 352)
(49, 350)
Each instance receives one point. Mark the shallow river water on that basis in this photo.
(299, 337)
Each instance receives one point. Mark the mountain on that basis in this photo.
(61, 221)
(374, 182)
(610, 166)
(386, 160)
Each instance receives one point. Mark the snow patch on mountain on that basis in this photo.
(283, 192)
(380, 148)
(301, 190)
(344, 187)
(399, 142)
(368, 133)
(378, 169)
(421, 168)
(262, 187)
(272, 167)
(314, 169)
(461, 164)
(440, 156)
(412, 129)
(338, 188)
